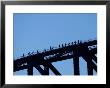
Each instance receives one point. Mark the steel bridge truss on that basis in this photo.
(87, 50)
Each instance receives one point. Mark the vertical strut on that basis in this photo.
(76, 65)
(29, 67)
(30, 70)
(88, 58)
(89, 67)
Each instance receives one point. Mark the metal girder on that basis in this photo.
(80, 49)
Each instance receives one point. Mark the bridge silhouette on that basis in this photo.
(87, 50)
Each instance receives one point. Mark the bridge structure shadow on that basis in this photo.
(87, 50)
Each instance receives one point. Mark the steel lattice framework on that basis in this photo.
(87, 50)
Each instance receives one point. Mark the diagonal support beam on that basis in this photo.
(46, 70)
(94, 58)
(42, 72)
(49, 65)
(90, 65)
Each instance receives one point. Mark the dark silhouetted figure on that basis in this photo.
(75, 42)
(44, 50)
(62, 45)
(29, 53)
(78, 41)
(50, 48)
(37, 51)
(72, 43)
(68, 44)
(23, 54)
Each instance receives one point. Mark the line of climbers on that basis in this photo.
(51, 48)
